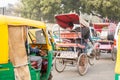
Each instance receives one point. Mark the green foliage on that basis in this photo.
(31, 9)
(106, 8)
(47, 9)
(71, 6)
(41, 9)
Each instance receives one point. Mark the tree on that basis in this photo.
(47, 9)
(71, 5)
(106, 8)
(50, 8)
(41, 9)
(31, 9)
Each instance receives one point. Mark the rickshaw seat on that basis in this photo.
(108, 47)
(70, 35)
(70, 45)
(105, 41)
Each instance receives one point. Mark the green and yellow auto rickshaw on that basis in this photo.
(117, 67)
(14, 61)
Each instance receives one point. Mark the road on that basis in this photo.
(103, 69)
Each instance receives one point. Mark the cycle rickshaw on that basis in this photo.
(106, 42)
(69, 51)
(14, 61)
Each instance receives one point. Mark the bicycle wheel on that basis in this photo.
(91, 59)
(59, 65)
(82, 64)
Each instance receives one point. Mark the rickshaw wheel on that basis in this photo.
(59, 65)
(82, 64)
(113, 54)
(97, 54)
(91, 59)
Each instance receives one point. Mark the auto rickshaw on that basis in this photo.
(14, 61)
(117, 66)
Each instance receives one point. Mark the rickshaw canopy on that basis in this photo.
(99, 26)
(67, 20)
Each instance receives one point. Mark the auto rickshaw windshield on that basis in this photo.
(36, 36)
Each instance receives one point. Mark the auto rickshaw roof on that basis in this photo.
(10, 20)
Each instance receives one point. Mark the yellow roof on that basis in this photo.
(10, 20)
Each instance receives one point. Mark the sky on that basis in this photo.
(4, 3)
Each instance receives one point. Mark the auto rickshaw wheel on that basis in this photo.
(60, 65)
(82, 64)
(97, 54)
(113, 53)
(91, 58)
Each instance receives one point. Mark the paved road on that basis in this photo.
(102, 70)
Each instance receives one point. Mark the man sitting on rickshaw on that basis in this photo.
(35, 56)
(36, 60)
(85, 36)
